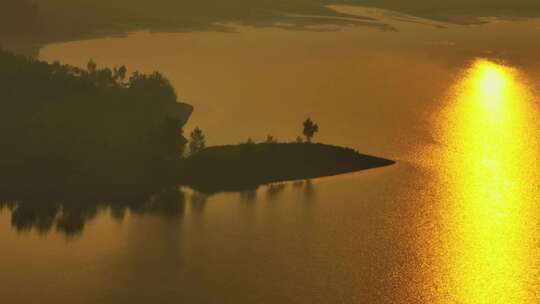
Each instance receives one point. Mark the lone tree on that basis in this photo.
(91, 66)
(197, 141)
(249, 141)
(310, 128)
(271, 140)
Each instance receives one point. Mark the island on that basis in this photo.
(246, 166)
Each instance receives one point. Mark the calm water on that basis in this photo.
(455, 221)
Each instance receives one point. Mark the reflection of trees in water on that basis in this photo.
(198, 202)
(273, 190)
(248, 196)
(307, 188)
(69, 215)
(298, 184)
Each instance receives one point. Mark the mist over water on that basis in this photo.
(454, 221)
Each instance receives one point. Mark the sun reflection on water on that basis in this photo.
(489, 168)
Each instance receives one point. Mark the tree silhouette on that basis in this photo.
(197, 141)
(91, 66)
(119, 74)
(249, 141)
(310, 128)
(271, 140)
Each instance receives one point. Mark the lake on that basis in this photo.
(454, 221)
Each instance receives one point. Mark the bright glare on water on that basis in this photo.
(490, 230)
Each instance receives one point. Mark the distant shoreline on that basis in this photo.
(247, 166)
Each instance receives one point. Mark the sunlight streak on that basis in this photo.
(492, 81)
(489, 168)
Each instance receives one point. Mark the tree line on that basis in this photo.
(197, 139)
(88, 125)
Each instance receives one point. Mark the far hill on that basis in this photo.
(245, 166)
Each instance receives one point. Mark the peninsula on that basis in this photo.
(246, 166)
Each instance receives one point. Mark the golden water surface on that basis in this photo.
(456, 223)
(489, 167)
